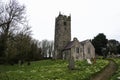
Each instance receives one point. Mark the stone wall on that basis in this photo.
(89, 50)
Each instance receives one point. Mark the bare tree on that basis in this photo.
(12, 15)
(47, 48)
(51, 48)
(35, 51)
(44, 46)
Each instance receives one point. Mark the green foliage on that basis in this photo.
(2, 46)
(118, 49)
(99, 42)
(117, 73)
(51, 70)
(113, 46)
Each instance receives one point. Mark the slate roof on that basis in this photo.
(69, 45)
(83, 42)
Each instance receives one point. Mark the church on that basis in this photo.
(64, 47)
(79, 50)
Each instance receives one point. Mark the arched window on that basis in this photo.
(89, 50)
(77, 50)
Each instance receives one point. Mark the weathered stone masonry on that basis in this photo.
(62, 34)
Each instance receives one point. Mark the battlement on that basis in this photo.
(63, 17)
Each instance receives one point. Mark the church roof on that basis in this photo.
(84, 42)
(69, 45)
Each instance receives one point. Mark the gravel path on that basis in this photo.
(106, 73)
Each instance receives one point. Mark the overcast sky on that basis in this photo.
(88, 17)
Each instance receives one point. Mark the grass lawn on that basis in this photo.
(117, 73)
(51, 70)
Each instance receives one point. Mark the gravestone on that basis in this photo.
(89, 61)
(118, 78)
(71, 63)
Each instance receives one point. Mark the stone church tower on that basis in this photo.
(62, 34)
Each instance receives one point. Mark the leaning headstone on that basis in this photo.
(71, 64)
(89, 61)
(19, 62)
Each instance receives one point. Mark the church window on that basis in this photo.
(81, 50)
(88, 50)
(77, 50)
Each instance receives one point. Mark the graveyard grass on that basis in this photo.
(116, 75)
(51, 70)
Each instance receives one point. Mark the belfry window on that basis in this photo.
(65, 23)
